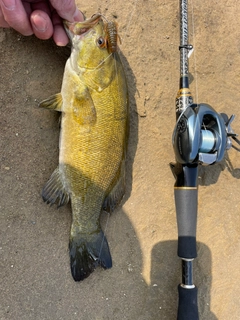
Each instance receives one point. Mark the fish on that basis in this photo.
(94, 108)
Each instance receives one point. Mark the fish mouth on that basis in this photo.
(79, 28)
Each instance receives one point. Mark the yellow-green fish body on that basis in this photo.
(94, 106)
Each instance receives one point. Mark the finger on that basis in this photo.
(16, 16)
(41, 24)
(59, 35)
(42, 5)
(3, 23)
(67, 10)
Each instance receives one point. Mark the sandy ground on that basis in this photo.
(142, 285)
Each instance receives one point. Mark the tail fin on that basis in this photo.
(86, 253)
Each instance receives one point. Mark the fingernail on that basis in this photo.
(9, 4)
(39, 23)
(78, 16)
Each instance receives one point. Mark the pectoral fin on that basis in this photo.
(53, 103)
(84, 112)
(54, 190)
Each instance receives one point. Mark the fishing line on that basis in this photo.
(130, 18)
(194, 55)
(122, 37)
(104, 232)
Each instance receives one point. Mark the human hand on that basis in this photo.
(40, 17)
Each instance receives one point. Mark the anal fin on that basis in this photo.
(117, 191)
(54, 102)
(54, 190)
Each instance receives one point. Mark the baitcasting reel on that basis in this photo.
(202, 135)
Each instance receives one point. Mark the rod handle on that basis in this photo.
(187, 304)
(186, 209)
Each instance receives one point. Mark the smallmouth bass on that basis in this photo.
(94, 131)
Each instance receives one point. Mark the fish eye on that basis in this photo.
(101, 42)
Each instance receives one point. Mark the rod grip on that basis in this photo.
(187, 304)
(186, 199)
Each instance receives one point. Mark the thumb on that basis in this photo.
(67, 10)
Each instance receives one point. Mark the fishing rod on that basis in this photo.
(201, 136)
